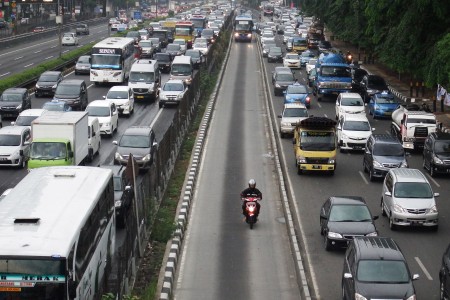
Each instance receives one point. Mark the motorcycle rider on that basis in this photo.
(251, 191)
(348, 57)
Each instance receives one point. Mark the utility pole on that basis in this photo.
(59, 20)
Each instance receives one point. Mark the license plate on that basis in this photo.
(139, 97)
(416, 223)
(317, 167)
(388, 113)
(357, 147)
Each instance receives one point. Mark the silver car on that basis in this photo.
(408, 200)
(172, 92)
(14, 145)
(83, 65)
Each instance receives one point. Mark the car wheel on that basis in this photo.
(423, 163)
(98, 149)
(319, 98)
(326, 242)
(23, 163)
(392, 226)
(371, 175)
(343, 292)
(91, 155)
(364, 167)
(299, 170)
(432, 171)
(282, 135)
(383, 212)
(442, 290)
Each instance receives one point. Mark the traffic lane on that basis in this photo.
(242, 263)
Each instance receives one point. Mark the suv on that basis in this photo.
(436, 153)
(123, 193)
(172, 92)
(375, 268)
(13, 101)
(281, 80)
(371, 85)
(408, 200)
(382, 153)
(47, 83)
(140, 141)
(349, 103)
(73, 92)
(353, 131)
(82, 29)
(292, 114)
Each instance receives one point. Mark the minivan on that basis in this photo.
(145, 79)
(73, 92)
(182, 69)
(94, 139)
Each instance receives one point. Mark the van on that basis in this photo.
(73, 92)
(145, 79)
(182, 69)
(94, 139)
(27, 116)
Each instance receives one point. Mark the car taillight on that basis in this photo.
(308, 99)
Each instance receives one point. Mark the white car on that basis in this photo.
(182, 44)
(349, 103)
(215, 28)
(70, 38)
(107, 115)
(291, 115)
(14, 145)
(172, 92)
(353, 132)
(122, 96)
(292, 60)
(201, 46)
(311, 64)
(267, 36)
(287, 35)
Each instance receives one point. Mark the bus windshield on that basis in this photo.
(106, 61)
(182, 31)
(198, 23)
(33, 279)
(243, 25)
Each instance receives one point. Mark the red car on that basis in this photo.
(39, 29)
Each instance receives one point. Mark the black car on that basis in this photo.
(444, 275)
(371, 85)
(47, 83)
(275, 54)
(73, 92)
(13, 101)
(281, 80)
(266, 47)
(324, 46)
(382, 153)
(375, 268)
(164, 61)
(436, 153)
(357, 76)
(135, 35)
(344, 217)
(209, 35)
(123, 193)
(196, 57)
(174, 50)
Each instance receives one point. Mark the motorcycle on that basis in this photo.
(349, 58)
(251, 210)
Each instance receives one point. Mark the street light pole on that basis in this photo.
(59, 20)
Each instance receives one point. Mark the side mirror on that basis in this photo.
(70, 154)
(104, 97)
(115, 142)
(128, 188)
(375, 218)
(348, 276)
(436, 194)
(154, 144)
(389, 194)
(93, 133)
(415, 277)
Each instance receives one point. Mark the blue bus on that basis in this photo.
(199, 22)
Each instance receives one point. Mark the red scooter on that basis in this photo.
(251, 210)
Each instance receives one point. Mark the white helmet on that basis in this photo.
(252, 183)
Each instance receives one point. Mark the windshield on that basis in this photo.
(351, 102)
(181, 69)
(442, 147)
(48, 78)
(117, 95)
(159, 34)
(336, 72)
(285, 77)
(382, 271)
(412, 190)
(296, 89)
(54, 106)
(117, 183)
(207, 32)
(300, 43)
(376, 81)
(180, 42)
(111, 61)
(198, 23)
(194, 54)
(162, 57)
(243, 25)
(69, 35)
(10, 140)
(182, 31)
(307, 54)
(134, 141)
(145, 44)
(142, 77)
(317, 141)
(45, 279)
(67, 89)
(386, 100)
(133, 34)
(275, 50)
(388, 150)
(295, 112)
(356, 126)
(292, 56)
(12, 97)
(47, 150)
(154, 40)
(350, 213)
(25, 120)
(83, 60)
(171, 87)
(267, 35)
(98, 111)
(200, 45)
(173, 47)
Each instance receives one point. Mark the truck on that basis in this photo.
(333, 76)
(411, 124)
(315, 145)
(59, 139)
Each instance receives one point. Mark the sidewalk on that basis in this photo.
(400, 88)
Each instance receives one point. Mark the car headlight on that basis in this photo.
(372, 234)
(107, 125)
(437, 160)
(359, 297)
(118, 156)
(180, 96)
(118, 203)
(334, 235)
(332, 160)
(54, 86)
(37, 86)
(19, 106)
(162, 97)
(397, 208)
(432, 210)
(285, 123)
(277, 85)
(344, 136)
(413, 297)
(377, 164)
(404, 164)
(301, 160)
(147, 157)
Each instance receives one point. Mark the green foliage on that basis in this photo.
(111, 296)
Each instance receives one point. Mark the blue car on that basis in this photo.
(56, 105)
(297, 92)
(305, 57)
(382, 105)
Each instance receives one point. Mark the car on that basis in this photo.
(172, 92)
(275, 54)
(107, 115)
(3, 24)
(135, 35)
(13, 101)
(140, 141)
(371, 85)
(353, 131)
(280, 69)
(289, 44)
(123, 97)
(349, 103)
(375, 268)
(444, 275)
(266, 46)
(197, 57)
(147, 48)
(70, 38)
(14, 145)
(324, 46)
(357, 76)
(292, 114)
(174, 50)
(74, 92)
(83, 65)
(311, 77)
(82, 29)
(164, 61)
(201, 46)
(382, 105)
(436, 153)
(27, 116)
(182, 44)
(287, 36)
(56, 105)
(407, 199)
(281, 80)
(156, 44)
(144, 34)
(267, 36)
(123, 193)
(292, 60)
(306, 56)
(297, 93)
(343, 218)
(39, 29)
(47, 83)
(215, 29)
(209, 35)
(311, 64)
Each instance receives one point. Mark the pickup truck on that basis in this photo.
(82, 29)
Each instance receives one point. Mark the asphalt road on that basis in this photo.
(222, 257)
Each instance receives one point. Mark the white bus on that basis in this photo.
(57, 234)
(111, 60)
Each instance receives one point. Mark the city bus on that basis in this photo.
(199, 22)
(185, 30)
(111, 60)
(243, 27)
(57, 235)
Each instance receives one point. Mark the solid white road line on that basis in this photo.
(424, 270)
(431, 179)
(363, 177)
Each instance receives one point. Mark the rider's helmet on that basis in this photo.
(252, 183)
